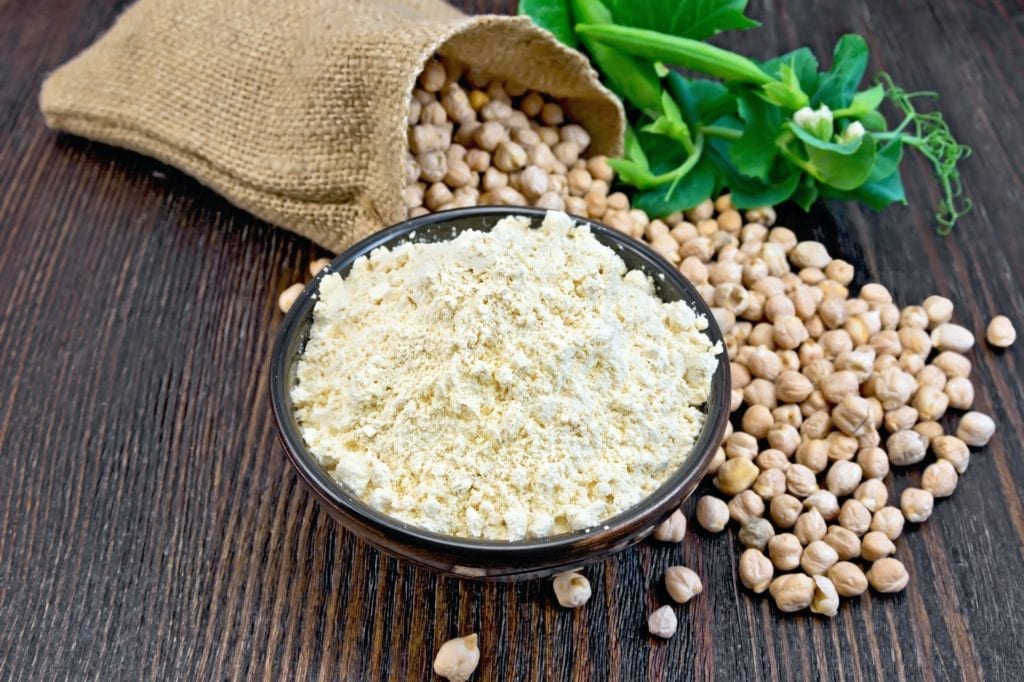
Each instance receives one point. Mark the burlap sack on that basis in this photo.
(296, 110)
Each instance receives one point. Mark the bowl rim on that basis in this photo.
(474, 551)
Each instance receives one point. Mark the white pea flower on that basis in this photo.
(817, 123)
(854, 131)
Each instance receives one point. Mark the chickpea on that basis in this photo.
(874, 462)
(769, 483)
(785, 510)
(939, 310)
(672, 529)
(457, 658)
(888, 575)
(756, 532)
(846, 543)
(906, 447)
(712, 514)
(736, 475)
(917, 504)
(810, 526)
(855, 517)
(939, 478)
(1000, 332)
(848, 579)
(952, 450)
(756, 570)
(949, 336)
(682, 584)
(888, 520)
(843, 478)
(792, 592)
(662, 623)
(872, 493)
(976, 429)
(572, 590)
(960, 392)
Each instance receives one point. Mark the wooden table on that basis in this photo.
(150, 526)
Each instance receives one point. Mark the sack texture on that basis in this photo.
(297, 111)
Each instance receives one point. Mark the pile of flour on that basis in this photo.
(507, 384)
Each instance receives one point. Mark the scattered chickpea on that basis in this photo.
(939, 310)
(457, 658)
(846, 543)
(1000, 332)
(682, 583)
(818, 557)
(876, 545)
(785, 551)
(662, 623)
(572, 590)
(736, 475)
(810, 526)
(952, 450)
(888, 520)
(855, 517)
(785, 510)
(939, 478)
(287, 298)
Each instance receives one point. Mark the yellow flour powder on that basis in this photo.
(506, 384)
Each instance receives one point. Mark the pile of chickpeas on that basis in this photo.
(829, 392)
(475, 140)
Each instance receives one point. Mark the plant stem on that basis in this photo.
(722, 132)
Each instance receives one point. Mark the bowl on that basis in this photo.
(492, 559)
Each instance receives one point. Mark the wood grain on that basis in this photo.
(151, 528)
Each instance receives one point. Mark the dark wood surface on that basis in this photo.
(151, 527)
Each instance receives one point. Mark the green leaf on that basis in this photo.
(629, 171)
(844, 171)
(700, 100)
(697, 19)
(865, 101)
(749, 193)
(837, 85)
(755, 152)
(691, 190)
(806, 193)
(634, 151)
(803, 63)
(553, 15)
(883, 187)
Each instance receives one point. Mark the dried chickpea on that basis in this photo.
(874, 462)
(818, 557)
(953, 364)
(809, 526)
(785, 510)
(662, 623)
(785, 551)
(949, 336)
(939, 478)
(287, 298)
(975, 429)
(845, 543)
(876, 545)
(843, 478)
(769, 483)
(756, 570)
(888, 520)
(792, 592)
(1000, 332)
(906, 447)
(931, 402)
(772, 459)
(872, 493)
(952, 450)
(572, 590)
(755, 532)
(825, 502)
(672, 529)
(736, 475)
(928, 430)
(717, 460)
(848, 578)
(712, 514)
(812, 454)
(939, 310)
(916, 504)
(960, 392)
(888, 575)
(682, 584)
(457, 658)
(855, 517)
(745, 506)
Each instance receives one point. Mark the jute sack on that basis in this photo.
(296, 110)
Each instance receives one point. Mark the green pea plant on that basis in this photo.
(769, 131)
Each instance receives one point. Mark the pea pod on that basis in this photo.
(693, 54)
(631, 78)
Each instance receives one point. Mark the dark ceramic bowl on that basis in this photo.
(479, 558)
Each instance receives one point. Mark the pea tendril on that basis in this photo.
(933, 138)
